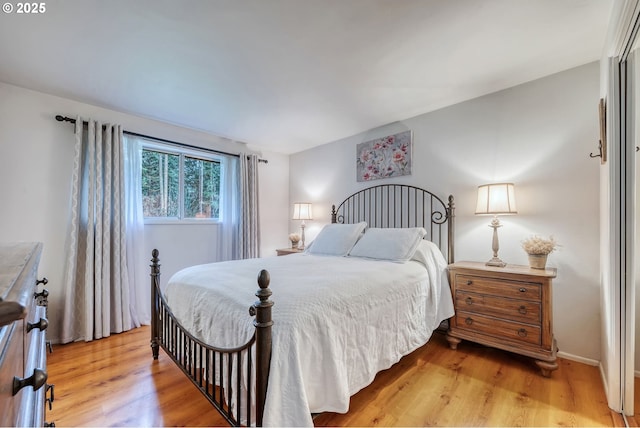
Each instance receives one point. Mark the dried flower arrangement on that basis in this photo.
(538, 245)
(294, 237)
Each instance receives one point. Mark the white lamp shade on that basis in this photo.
(498, 198)
(302, 211)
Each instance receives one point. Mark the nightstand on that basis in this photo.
(509, 308)
(287, 251)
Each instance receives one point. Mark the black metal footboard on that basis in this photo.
(224, 376)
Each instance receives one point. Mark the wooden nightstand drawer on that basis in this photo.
(516, 310)
(499, 328)
(287, 251)
(498, 287)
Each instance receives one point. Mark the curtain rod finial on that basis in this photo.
(60, 118)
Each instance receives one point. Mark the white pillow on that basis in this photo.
(395, 244)
(337, 239)
(429, 254)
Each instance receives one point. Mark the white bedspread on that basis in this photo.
(337, 321)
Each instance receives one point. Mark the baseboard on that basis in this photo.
(583, 360)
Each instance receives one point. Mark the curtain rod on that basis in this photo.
(60, 118)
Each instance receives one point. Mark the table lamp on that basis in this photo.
(302, 211)
(496, 199)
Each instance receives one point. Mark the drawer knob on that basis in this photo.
(469, 301)
(36, 380)
(523, 290)
(522, 309)
(468, 321)
(522, 332)
(469, 282)
(43, 294)
(42, 298)
(40, 325)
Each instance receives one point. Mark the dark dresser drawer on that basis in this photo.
(32, 406)
(22, 337)
(11, 363)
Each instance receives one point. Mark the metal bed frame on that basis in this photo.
(400, 205)
(219, 372)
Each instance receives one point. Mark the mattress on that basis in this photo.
(337, 321)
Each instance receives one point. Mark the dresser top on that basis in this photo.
(516, 269)
(14, 257)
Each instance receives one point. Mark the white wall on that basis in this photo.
(537, 135)
(36, 154)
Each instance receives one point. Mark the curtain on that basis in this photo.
(228, 226)
(249, 233)
(137, 260)
(96, 295)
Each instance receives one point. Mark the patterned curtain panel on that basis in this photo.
(96, 281)
(249, 241)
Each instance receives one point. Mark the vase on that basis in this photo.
(537, 261)
(294, 244)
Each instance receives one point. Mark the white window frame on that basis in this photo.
(158, 146)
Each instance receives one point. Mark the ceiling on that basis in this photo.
(287, 75)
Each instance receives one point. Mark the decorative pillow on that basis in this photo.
(337, 239)
(395, 244)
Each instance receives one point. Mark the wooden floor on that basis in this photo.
(116, 382)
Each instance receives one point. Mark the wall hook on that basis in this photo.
(599, 155)
(602, 144)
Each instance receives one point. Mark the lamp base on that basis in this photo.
(495, 261)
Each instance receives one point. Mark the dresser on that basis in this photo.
(509, 308)
(23, 375)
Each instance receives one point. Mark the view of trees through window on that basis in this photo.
(162, 192)
(201, 188)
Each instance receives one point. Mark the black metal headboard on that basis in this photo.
(399, 205)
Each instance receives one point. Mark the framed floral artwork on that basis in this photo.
(384, 157)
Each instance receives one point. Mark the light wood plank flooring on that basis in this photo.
(116, 382)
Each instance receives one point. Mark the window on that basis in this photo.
(179, 185)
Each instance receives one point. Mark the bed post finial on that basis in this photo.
(155, 302)
(263, 323)
(334, 214)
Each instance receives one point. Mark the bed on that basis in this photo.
(369, 289)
